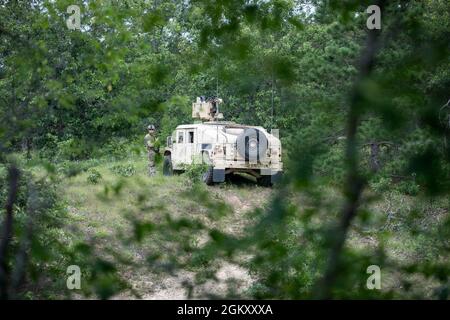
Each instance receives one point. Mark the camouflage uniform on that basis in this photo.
(149, 141)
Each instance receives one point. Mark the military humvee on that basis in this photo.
(225, 147)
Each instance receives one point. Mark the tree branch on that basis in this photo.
(354, 183)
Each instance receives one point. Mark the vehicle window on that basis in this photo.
(191, 137)
(180, 136)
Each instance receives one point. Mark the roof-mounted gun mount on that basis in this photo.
(207, 109)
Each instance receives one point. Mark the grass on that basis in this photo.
(104, 212)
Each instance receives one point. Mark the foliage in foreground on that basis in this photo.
(369, 130)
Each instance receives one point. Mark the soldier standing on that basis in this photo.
(150, 141)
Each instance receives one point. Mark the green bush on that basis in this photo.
(73, 149)
(381, 185)
(73, 168)
(42, 247)
(69, 168)
(116, 148)
(408, 187)
(124, 170)
(194, 172)
(93, 176)
(39, 217)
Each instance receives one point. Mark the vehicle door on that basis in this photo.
(191, 145)
(179, 148)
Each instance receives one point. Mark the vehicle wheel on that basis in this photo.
(207, 176)
(167, 166)
(265, 181)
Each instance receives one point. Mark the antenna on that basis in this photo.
(217, 85)
(271, 118)
(217, 81)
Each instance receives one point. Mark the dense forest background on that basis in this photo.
(364, 118)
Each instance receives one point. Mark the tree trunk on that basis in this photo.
(374, 161)
(354, 183)
(13, 181)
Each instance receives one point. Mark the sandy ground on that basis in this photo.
(228, 275)
(96, 217)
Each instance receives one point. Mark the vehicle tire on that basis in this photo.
(207, 176)
(167, 166)
(252, 144)
(265, 181)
